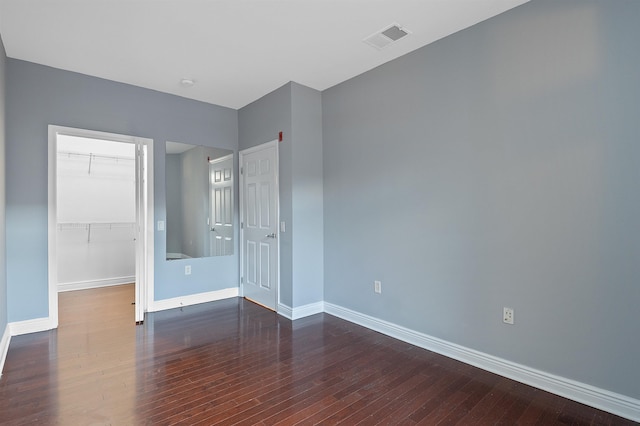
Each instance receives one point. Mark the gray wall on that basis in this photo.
(295, 110)
(38, 96)
(498, 167)
(307, 196)
(3, 264)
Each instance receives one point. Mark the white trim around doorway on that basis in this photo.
(147, 285)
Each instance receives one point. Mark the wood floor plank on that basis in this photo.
(233, 362)
(248, 392)
(421, 394)
(361, 395)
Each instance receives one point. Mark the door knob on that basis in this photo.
(271, 235)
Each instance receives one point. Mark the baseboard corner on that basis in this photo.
(285, 311)
(36, 325)
(301, 311)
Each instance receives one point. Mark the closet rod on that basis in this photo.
(91, 155)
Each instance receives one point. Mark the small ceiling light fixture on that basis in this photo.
(187, 82)
(386, 36)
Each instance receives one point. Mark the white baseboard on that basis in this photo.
(31, 326)
(176, 256)
(192, 299)
(85, 285)
(4, 347)
(602, 399)
(285, 311)
(300, 312)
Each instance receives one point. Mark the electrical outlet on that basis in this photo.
(377, 287)
(187, 270)
(508, 315)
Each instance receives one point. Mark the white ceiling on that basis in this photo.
(235, 50)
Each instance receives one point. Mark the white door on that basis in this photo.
(142, 223)
(259, 224)
(221, 208)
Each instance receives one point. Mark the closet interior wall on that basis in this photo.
(95, 213)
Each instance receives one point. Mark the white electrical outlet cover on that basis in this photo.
(508, 315)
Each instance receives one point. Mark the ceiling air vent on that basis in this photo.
(386, 36)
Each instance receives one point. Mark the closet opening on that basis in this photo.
(100, 215)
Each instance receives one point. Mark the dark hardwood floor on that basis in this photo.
(233, 362)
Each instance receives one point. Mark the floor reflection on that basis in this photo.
(96, 346)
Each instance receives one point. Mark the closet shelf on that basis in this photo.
(91, 156)
(90, 226)
(95, 225)
(69, 154)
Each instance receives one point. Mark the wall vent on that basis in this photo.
(386, 36)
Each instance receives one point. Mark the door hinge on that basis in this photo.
(241, 280)
(241, 170)
(241, 225)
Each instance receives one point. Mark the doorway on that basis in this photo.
(259, 276)
(120, 164)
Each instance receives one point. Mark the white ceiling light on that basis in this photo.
(187, 82)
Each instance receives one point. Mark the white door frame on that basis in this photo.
(273, 143)
(144, 272)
